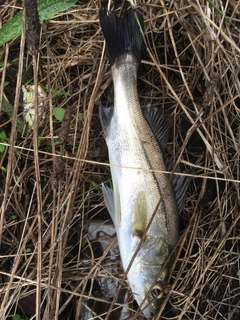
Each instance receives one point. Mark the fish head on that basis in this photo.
(149, 273)
(154, 292)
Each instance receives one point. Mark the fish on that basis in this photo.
(143, 204)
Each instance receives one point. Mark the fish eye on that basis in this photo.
(157, 291)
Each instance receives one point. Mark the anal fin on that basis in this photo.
(112, 204)
(105, 116)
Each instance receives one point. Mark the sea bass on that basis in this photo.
(140, 192)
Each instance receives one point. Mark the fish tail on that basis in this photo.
(123, 35)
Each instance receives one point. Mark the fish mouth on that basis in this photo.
(149, 310)
(148, 314)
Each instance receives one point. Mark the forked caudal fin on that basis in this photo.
(122, 35)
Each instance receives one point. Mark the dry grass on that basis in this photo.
(191, 64)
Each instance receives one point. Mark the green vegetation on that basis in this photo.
(3, 140)
(47, 9)
(59, 113)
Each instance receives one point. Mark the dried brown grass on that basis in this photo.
(190, 64)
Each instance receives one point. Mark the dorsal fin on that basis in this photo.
(160, 124)
(180, 184)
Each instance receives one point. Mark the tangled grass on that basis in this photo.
(52, 267)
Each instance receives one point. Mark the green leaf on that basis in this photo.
(47, 9)
(3, 139)
(96, 187)
(39, 141)
(59, 113)
(3, 136)
(16, 317)
(13, 217)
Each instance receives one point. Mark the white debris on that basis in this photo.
(28, 99)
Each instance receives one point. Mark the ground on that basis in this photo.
(50, 179)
